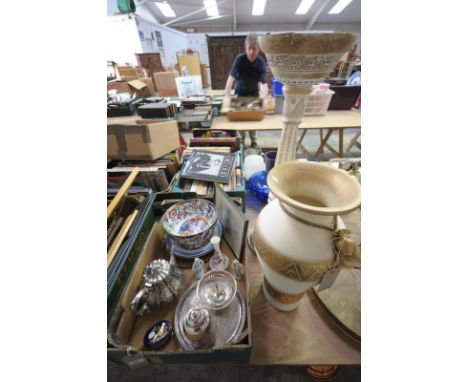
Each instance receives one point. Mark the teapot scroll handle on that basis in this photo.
(138, 305)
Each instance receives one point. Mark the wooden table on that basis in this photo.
(304, 336)
(333, 120)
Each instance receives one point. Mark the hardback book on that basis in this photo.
(224, 141)
(209, 166)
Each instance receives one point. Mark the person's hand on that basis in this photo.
(226, 106)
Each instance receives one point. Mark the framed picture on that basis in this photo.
(209, 166)
(233, 220)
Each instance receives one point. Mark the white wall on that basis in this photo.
(173, 42)
(146, 32)
(197, 42)
(122, 40)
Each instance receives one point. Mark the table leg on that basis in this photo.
(301, 147)
(340, 142)
(324, 143)
(321, 138)
(355, 142)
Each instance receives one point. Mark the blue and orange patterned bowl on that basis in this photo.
(190, 223)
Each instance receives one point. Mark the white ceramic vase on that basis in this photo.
(293, 235)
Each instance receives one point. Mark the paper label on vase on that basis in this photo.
(328, 279)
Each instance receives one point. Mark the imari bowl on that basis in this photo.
(190, 223)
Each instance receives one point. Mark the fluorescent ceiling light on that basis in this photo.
(258, 7)
(339, 6)
(304, 7)
(166, 9)
(211, 7)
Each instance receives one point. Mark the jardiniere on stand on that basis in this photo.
(299, 237)
(300, 61)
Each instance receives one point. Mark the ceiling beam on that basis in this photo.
(150, 7)
(317, 14)
(193, 5)
(190, 22)
(190, 14)
(234, 11)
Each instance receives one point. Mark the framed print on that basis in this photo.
(209, 166)
(233, 220)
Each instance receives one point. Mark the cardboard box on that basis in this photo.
(120, 86)
(143, 87)
(128, 73)
(245, 115)
(191, 62)
(127, 329)
(166, 83)
(139, 87)
(204, 75)
(141, 142)
(150, 90)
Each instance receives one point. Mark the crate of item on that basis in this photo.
(184, 319)
(200, 117)
(235, 187)
(317, 103)
(245, 109)
(130, 217)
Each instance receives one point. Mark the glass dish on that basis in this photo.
(216, 289)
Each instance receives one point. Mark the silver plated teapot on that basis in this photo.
(162, 283)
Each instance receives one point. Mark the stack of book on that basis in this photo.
(191, 179)
(231, 142)
(200, 117)
(155, 175)
(157, 110)
(120, 109)
(193, 102)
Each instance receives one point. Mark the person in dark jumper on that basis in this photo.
(247, 71)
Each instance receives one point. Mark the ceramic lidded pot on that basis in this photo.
(294, 233)
(300, 61)
(190, 223)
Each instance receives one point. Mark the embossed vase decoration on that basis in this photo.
(300, 61)
(299, 236)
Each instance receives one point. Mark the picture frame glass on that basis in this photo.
(233, 221)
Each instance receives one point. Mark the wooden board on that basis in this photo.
(192, 62)
(117, 198)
